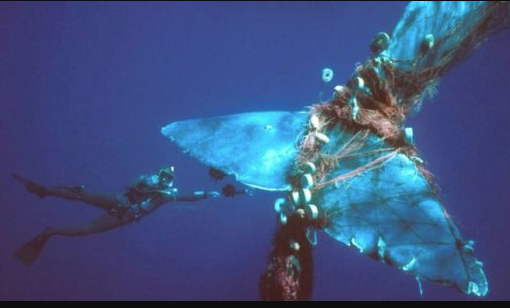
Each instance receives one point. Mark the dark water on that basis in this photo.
(85, 88)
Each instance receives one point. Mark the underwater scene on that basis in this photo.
(246, 151)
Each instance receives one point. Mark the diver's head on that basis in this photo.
(166, 177)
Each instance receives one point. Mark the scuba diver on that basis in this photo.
(144, 197)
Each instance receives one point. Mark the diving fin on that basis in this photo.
(32, 187)
(29, 252)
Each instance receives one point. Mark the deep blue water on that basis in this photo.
(85, 88)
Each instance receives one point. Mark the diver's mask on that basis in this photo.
(166, 177)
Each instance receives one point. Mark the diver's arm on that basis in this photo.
(196, 196)
(228, 191)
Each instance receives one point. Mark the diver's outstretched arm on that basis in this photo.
(227, 191)
(196, 196)
(29, 252)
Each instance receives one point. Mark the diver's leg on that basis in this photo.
(29, 252)
(31, 186)
(102, 200)
(100, 224)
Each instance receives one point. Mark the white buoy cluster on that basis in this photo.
(299, 202)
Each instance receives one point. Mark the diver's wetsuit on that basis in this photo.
(139, 200)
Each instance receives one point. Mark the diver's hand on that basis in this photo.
(230, 191)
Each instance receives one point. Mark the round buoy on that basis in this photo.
(305, 196)
(309, 167)
(327, 75)
(428, 43)
(312, 212)
(359, 83)
(301, 213)
(314, 122)
(307, 181)
(380, 42)
(278, 205)
(283, 219)
(322, 138)
(294, 246)
(296, 198)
